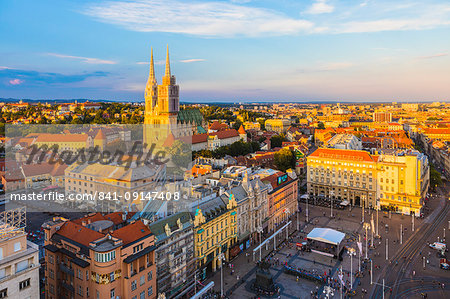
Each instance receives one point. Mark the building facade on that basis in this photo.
(395, 180)
(215, 232)
(19, 263)
(175, 263)
(99, 259)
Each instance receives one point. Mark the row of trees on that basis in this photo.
(237, 148)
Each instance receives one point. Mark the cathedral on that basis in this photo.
(163, 117)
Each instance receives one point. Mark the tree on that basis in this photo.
(237, 124)
(276, 140)
(284, 159)
(320, 126)
(435, 177)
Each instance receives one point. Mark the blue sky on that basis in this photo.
(241, 50)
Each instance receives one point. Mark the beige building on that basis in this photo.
(19, 260)
(394, 180)
(99, 256)
(277, 125)
(118, 183)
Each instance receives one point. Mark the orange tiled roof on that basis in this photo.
(116, 217)
(79, 233)
(132, 232)
(45, 137)
(339, 154)
(225, 134)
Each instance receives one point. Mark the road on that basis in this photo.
(403, 280)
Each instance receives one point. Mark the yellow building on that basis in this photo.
(277, 125)
(65, 142)
(215, 232)
(396, 181)
(252, 125)
(403, 181)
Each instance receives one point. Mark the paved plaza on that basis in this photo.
(349, 220)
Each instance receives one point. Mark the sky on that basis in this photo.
(227, 50)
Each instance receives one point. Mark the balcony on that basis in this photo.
(141, 268)
(66, 269)
(67, 286)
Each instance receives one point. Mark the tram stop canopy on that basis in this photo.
(325, 241)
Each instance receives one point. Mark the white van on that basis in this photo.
(438, 246)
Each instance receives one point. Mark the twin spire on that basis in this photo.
(167, 74)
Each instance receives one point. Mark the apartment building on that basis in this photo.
(99, 257)
(215, 232)
(277, 125)
(345, 141)
(175, 263)
(346, 175)
(19, 259)
(397, 180)
(382, 117)
(282, 197)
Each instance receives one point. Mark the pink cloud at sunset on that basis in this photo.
(15, 82)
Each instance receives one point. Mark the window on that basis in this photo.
(50, 259)
(16, 246)
(80, 274)
(142, 295)
(111, 276)
(133, 285)
(80, 291)
(87, 292)
(51, 274)
(150, 275)
(150, 291)
(138, 248)
(1, 253)
(24, 284)
(112, 293)
(142, 280)
(105, 257)
(20, 266)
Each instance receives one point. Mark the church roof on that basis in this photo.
(190, 116)
(241, 130)
(201, 130)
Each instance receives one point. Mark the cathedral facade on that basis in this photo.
(163, 117)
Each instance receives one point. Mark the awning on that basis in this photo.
(326, 235)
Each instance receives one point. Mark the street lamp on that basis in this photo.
(260, 230)
(307, 219)
(331, 201)
(352, 252)
(366, 227)
(287, 219)
(221, 257)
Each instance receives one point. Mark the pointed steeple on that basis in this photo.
(167, 64)
(152, 77)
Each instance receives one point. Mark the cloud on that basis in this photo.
(205, 19)
(192, 60)
(157, 62)
(320, 7)
(15, 77)
(390, 25)
(83, 59)
(364, 3)
(15, 82)
(433, 56)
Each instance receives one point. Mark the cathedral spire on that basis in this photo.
(167, 64)
(152, 77)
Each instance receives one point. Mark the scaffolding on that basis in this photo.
(12, 222)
